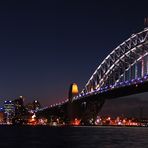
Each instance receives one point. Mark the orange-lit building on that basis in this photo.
(1, 117)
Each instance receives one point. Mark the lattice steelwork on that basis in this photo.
(127, 62)
(125, 65)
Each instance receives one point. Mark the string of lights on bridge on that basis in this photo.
(102, 90)
(135, 42)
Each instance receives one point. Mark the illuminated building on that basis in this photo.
(8, 111)
(29, 107)
(19, 102)
(1, 115)
(32, 120)
(36, 105)
(20, 111)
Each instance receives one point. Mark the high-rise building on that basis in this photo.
(9, 111)
(29, 107)
(20, 110)
(36, 105)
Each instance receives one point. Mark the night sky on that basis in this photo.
(47, 45)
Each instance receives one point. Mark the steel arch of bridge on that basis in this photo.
(122, 60)
(111, 73)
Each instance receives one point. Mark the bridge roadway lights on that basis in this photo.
(89, 107)
(125, 91)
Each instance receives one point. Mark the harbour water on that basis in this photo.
(73, 137)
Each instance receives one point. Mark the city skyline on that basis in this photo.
(46, 46)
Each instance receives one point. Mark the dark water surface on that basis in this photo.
(73, 137)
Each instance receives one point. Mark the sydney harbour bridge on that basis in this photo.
(123, 72)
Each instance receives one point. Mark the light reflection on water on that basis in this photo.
(73, 137)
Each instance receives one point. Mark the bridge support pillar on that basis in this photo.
(91, 110)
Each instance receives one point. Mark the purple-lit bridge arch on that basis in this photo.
(125, 65)
(123, 72)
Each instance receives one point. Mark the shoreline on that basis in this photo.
(67, 126)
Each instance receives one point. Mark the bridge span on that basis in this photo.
(123, 72)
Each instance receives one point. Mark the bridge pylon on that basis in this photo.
(71, 108)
